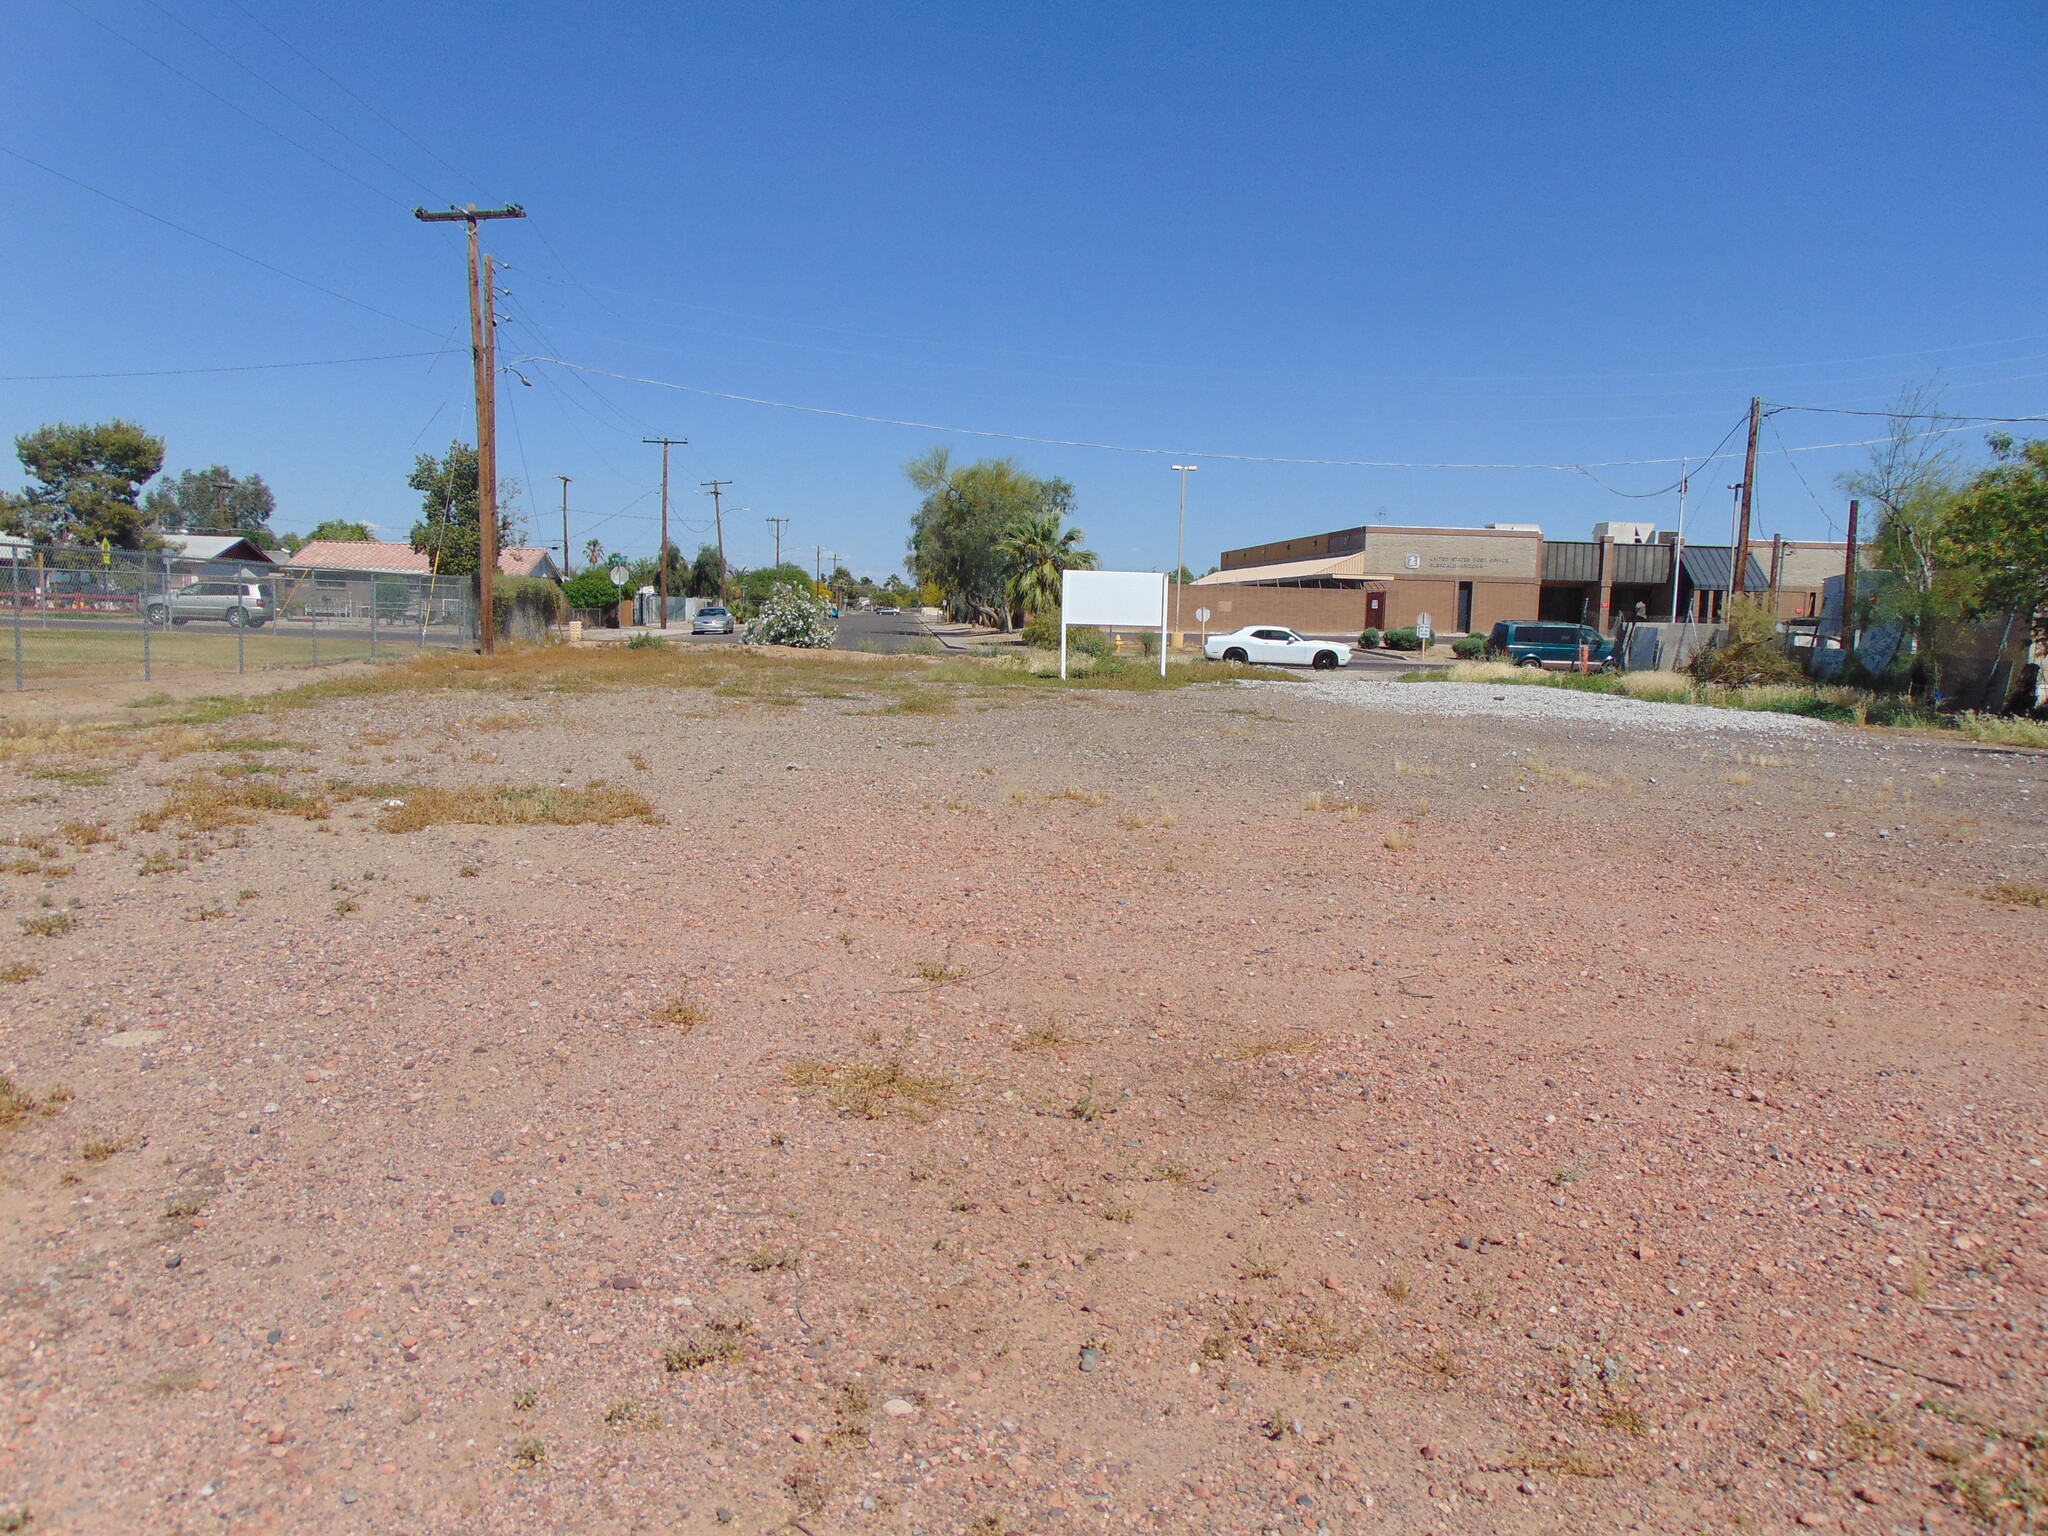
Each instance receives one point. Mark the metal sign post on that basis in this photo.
(1202, 618)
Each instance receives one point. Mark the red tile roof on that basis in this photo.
(373, 555)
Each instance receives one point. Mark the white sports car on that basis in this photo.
(1269, 645)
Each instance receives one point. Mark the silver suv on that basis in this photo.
(236, 602)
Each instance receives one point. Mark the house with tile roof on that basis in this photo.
(374, 557)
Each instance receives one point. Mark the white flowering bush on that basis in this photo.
(791, 616)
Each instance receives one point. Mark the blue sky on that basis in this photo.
(1445, 233)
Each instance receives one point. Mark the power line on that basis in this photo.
(1241, 458)
(171, 373)
(258, 261)
(1534, 378)
(1061, 442)
(197, 85)
(1836, 410)
(293, 100)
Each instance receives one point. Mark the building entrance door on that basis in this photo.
(1375, 610)
(1464, 607)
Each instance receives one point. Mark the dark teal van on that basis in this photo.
(1555, 646)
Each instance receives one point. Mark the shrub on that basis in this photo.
(1405, 639)
(1751, 654)
(1044, 632)
(1369, 638)
(1469, 647)
(523, 607)
(591, 588)
(792, 617)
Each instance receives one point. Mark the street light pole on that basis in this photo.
(1180, 542)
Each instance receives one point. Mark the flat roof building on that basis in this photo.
(1469, 579)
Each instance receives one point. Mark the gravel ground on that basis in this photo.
(1273, 1116)
(1525, 701)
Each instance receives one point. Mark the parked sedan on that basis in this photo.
(712, 621)
(1270, 645)
(887, 609)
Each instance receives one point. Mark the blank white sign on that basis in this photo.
(1128, 599)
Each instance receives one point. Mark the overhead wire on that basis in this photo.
(194, 234)
(203, 88)
(261, 79)
(1747, 369)
(1245, 458)
(314, 65)
(172, 373)
(1061, 442)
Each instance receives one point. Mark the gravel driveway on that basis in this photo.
(1526, 701)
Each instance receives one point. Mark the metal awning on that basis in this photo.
(1339, 567)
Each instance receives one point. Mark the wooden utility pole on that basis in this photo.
(1849, 581)
(778, 522)
(1738, 576)
(484, 356)
(565, 525)
(712, 488)
(662, 561)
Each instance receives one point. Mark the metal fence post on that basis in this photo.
(313, 616)
(14, 569)
(142, 607)
(241, 640)
(373, 618)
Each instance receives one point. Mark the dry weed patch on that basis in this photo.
(19, 971)
(209, 803)
(872, 1090)
(682, 1010)
(713, 1344)
(17, 1106)
(1272, 1045)
(2018, 893)
(1571, 778)
(942, 972)
(509, 806)
(53, 925)
(1048, 1035)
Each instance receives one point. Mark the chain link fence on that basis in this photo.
(83, 615)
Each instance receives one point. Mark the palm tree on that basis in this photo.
(1038, 549)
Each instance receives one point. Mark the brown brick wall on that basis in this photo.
(1334, 612)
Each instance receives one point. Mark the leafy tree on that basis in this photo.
(1038, 549)
(1999, 528)
(591, 587)
(214, 501)
(957, 531)
(1911, 477)
(707, 573)
(87, 478)
(340, 532)
(756, 586)
(447, 530)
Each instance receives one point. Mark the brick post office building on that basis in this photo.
(1469, 579)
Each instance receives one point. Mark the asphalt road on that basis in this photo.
(883, 632)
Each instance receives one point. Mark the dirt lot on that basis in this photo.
(948, 1108)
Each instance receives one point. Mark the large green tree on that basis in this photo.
(1038, 549)
(1999, 529)
(447, 530)
(87, 481)
(956, 534)
(214, 501)
(1911, 476)
(706, 576)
